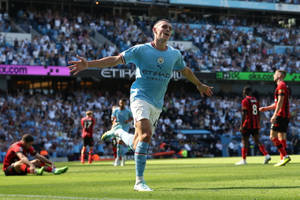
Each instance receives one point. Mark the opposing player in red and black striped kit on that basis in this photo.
(87, 123)
(281, 116)
(16, 162)
(250, 125)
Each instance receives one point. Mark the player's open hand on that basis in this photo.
(77, 66)
(273, 119)
(205, 90)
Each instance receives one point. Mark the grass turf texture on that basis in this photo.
(201, 178)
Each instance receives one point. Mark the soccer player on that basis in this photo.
(280, 118)
(123, 117)
(88, 122)
(155, 62)
(16, 161)
(250, 125)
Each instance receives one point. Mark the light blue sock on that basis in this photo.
(140, 157)
(119, 151)
(126, 137)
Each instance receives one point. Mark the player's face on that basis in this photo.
(28, 145)
(276, 76)
(163, 31)
(121, 103)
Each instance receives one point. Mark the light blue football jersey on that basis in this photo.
(122, 116)
(154, 69)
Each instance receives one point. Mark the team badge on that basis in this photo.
(160, 60)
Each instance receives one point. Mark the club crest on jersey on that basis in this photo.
(160, 60)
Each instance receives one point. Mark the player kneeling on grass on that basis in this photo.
(16, 161)
(250, 125)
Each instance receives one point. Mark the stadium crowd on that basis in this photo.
(225, 44)
(54, 120)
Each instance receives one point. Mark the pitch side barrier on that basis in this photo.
(254, 76)
(125, 73)
(26, 70)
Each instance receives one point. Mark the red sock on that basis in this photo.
(279, 146)
(25, 168)
(244, 153)
(90, 156)
(48, 169)
(283, 142)
(263, 149)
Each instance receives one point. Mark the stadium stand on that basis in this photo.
(225, 45)
(55, 120)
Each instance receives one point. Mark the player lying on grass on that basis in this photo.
(155, 63)
(250, 125)
(16, 161)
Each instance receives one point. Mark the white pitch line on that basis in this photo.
(59, 197)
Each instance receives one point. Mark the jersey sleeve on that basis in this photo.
(281, 89)
(245, 104)
(18, 149)
(130, 114)
(82, 122)
(130, 55)
(94, 122)
(180, 63)
(114, 114)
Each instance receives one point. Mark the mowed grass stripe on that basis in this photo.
(201, 178)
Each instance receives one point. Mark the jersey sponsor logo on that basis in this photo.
(156, 74)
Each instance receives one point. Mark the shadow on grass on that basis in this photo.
(228, 188)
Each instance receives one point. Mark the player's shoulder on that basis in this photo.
(253, 98)
(16, 145)
(244, 100)
(282, 84)
(173, 49)
(117, 109)
(141, 46)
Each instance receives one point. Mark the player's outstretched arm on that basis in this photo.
(202, 88)
(267, 108)
(43, 159)
(83, 64)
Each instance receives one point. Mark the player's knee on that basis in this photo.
(145, 137)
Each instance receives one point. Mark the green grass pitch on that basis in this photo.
(201, 178)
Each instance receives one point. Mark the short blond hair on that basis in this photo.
(89, 112)
(161, 20)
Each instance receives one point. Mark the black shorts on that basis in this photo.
(11, 171)
(247, 132)
(88, 141)
(281, 124)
